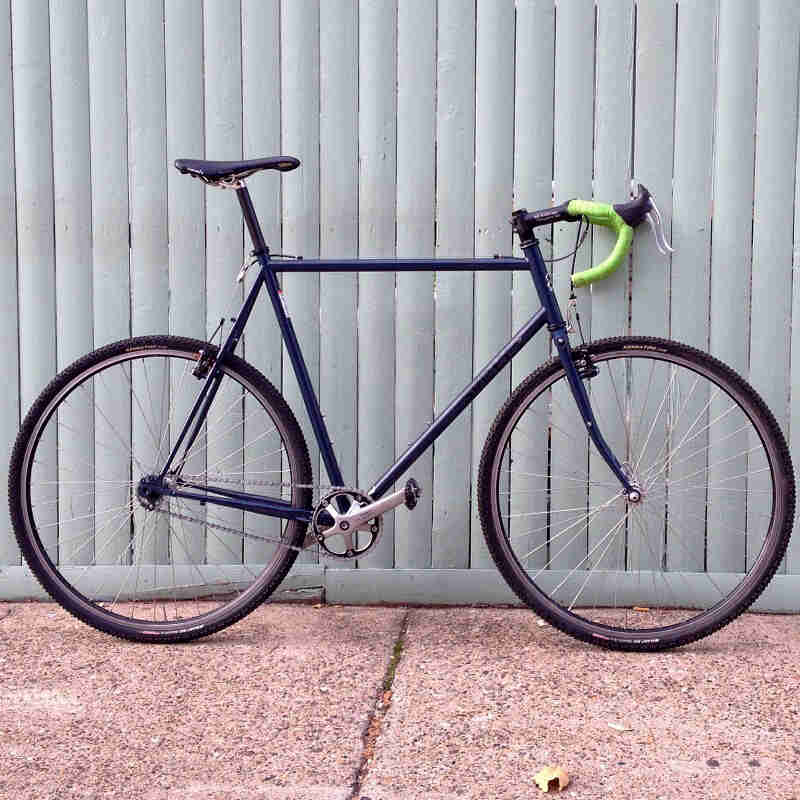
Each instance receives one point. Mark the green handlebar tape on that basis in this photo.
(602, 214)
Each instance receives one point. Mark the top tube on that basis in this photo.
(301, 264)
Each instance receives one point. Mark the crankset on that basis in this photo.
(344, 512)
(341, 512)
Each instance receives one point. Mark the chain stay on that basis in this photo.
(243, 533)
(198, 479)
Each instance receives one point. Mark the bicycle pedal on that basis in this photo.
(413, 492)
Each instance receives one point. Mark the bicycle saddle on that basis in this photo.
(214, 171)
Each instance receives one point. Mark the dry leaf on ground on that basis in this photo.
(551, 778)
(617, 727)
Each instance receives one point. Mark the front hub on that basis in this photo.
(150, 491)
(635, 494)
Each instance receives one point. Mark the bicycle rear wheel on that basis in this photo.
(717, 496)
(174, 569)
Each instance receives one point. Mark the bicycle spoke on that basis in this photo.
(632, 565)
(592, 569)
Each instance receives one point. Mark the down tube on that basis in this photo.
(443, 421)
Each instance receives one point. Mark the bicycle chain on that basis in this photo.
(255, 482)
(225, 528)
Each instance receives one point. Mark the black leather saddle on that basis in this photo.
(216, 171)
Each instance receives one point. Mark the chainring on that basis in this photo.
(327, 524)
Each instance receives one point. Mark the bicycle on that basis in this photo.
(635, 492)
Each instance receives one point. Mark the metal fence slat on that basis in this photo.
(147, 125)
(494, 182)
(572, 177)
(652, 165)
(9, 305)
(111, 283)
(377, 134)
(533, 188)
(69, 56)
(691, 238)
(453, 293)
(338, 367)
(731, 244)
(261, 132)
(416, 182)
(35, 244)
(773, 218)
(300, 38)
(609, 298)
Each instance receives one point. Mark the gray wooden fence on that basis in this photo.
(420, 125)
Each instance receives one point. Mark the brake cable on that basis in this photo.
(572, 253)
(572, 303)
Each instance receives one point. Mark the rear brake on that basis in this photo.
(208, 355)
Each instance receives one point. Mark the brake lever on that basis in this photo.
(654, 218)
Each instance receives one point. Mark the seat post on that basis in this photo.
(249, 214)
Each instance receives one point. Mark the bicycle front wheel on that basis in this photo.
(161, 569)
(716, 485)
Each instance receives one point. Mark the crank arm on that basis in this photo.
(407, 496)
(360, 518)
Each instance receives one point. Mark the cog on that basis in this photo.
(331, 529)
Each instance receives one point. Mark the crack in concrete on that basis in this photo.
(374, 724)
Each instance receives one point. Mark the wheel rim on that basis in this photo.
(695, 545)
(179, 564)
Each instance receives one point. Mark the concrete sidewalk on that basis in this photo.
(290, 703)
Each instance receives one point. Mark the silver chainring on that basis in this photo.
(334, 534)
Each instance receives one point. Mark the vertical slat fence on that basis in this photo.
(420, 126)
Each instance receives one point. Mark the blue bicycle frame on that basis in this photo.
(549, 314)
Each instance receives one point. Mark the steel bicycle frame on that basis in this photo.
(549, 314)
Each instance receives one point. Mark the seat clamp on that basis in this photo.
(229, 183)
(226, 183)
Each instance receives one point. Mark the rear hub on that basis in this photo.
(150, 491)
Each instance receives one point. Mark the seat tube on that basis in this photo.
(558, 332)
